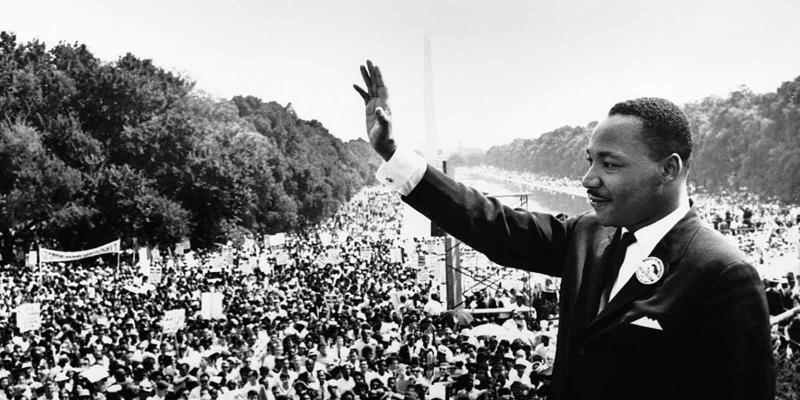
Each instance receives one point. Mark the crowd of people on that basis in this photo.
(342, 311)
(345, 310)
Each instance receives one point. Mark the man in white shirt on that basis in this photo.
(433, 307)
(653, 303)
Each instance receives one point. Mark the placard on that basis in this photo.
(31, 258)
(174, 320)
(247, 266)
(282, 258)
(332, 299)
(264, 264)
(211, 305)
(396, 255)
(156, 273)
(332, 256)
(29, 317)
(277, 240)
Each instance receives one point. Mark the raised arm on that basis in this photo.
(510, 237)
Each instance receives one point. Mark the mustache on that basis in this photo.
(594, 193)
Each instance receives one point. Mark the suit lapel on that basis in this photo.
(591, 280)
(669, 250)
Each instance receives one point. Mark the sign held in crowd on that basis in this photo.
(29, 317)
(174, 320)
(211, 305)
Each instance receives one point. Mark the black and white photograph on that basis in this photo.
(384, 200)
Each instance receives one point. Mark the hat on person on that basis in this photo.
(146, 386)
(115, 388)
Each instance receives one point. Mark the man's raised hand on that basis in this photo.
(379, 117)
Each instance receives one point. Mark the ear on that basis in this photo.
(671, 167)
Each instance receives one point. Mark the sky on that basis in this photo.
(502, 69)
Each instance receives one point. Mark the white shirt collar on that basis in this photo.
(648, 237)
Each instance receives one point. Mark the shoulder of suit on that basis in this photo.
(711, 253)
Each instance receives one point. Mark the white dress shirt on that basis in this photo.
(402, 172)
(646, 240)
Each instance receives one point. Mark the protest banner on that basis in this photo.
(211, 305)
(29, 317)
(174, 320)
(48, 255)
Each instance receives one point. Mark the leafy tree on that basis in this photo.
(38, 192)
(92, 150)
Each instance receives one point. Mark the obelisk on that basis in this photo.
(431, 150)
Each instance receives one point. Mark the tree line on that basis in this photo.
(743, 142)
(91, 151)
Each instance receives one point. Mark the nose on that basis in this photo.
(590, 179)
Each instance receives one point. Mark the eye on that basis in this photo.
(609, 165)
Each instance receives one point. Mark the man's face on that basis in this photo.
(623, 184)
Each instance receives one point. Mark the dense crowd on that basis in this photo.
(342, 311)
(345, 310)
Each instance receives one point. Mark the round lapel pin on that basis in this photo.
(650, 270)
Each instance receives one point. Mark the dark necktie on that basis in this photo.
(615, 260)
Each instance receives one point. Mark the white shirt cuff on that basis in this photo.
(402, 172)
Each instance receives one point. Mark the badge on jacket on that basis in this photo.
(650, 270)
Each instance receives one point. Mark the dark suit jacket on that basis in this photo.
(774, 302)
(715, 342)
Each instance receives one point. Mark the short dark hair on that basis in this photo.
(665, 127)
